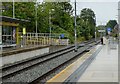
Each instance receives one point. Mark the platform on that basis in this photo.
(22, 54)
(104, 67)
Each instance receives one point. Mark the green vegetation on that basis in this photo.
(57, 15)
(112, 24)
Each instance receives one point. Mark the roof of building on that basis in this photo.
(10, 19)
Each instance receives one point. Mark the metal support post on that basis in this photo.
(95, 29)
(1, 45)
(36, 25)
(75, 30)
(50, 26)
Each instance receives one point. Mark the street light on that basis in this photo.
(36, 18)
(50, 23)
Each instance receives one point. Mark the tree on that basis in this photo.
(7, 8)
(111, 24)
(23, 10)
(61, 19)
(88, 20)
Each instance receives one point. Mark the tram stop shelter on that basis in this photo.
(9, 31)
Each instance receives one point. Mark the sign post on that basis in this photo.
(24, 39)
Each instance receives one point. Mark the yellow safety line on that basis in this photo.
(63, 71)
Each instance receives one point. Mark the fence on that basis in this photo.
(33, 39)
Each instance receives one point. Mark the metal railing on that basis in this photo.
(33, 39)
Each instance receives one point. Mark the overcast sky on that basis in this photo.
(105, 10)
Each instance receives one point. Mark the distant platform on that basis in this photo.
(15, 50)
(17, 55)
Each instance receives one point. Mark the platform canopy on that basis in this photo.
(10, 19)
(9, 30)
(4, 20)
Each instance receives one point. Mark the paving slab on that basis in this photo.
(104, 68)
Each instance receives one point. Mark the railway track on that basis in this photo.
(16, 71)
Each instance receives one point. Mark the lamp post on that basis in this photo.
(36, 35)
(36, 16)
(50, 24)
(75, 30)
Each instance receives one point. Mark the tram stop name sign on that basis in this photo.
(109, 30)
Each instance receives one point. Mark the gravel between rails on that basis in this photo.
(9, 71)
(43, 81)
(35, 72)
(30, 63)
(41, 67)
(56, 70)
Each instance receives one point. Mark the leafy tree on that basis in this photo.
(23, 10)
(100, 27)
(111, 24)
(88, 20)
(60, 14)
(7, 9)
(61, 20)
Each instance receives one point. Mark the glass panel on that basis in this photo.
(9, 35)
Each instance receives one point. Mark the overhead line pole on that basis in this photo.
(75, 30)
(95, 29)
(50, 26)
(36, 22)
(36, 18)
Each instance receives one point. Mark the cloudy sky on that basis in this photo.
(105, 10)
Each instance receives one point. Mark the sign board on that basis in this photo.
(0, 34)
(101, 30)
(62, 35)
(24, 30)
(109, 29)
